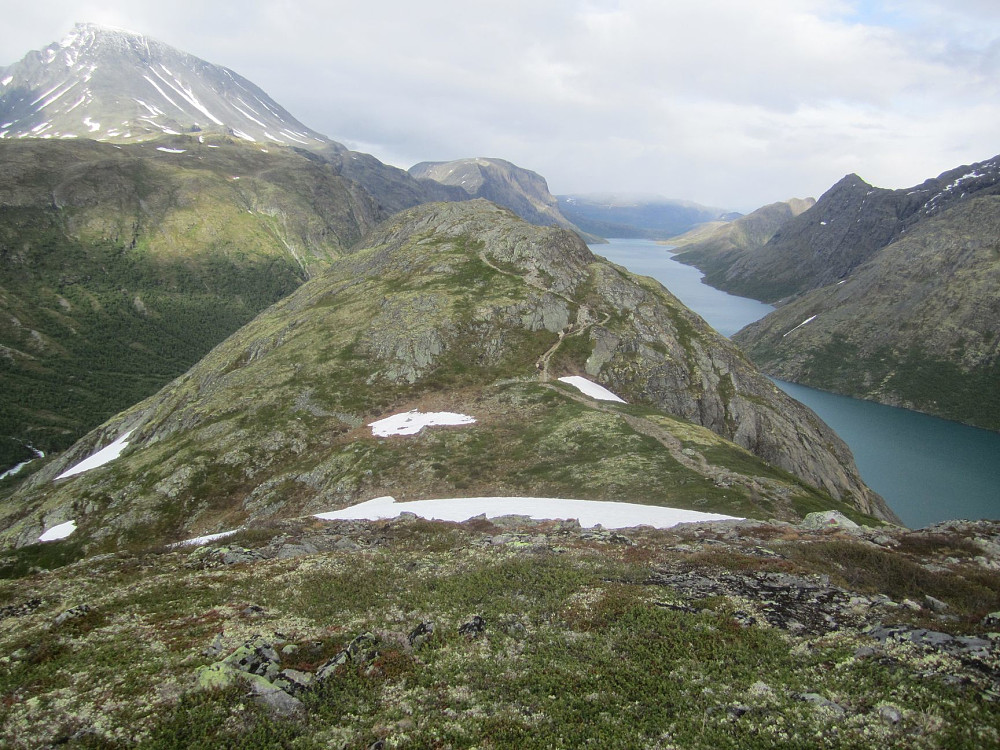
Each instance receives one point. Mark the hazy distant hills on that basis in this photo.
(895, 294)
(715, 246)
(636, 216)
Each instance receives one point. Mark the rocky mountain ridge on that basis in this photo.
(462, 308)
(917, 326)
(847, 227)
(524, 192)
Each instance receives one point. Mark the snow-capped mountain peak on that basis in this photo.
(117, 85)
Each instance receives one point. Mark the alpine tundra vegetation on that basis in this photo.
(243, 358)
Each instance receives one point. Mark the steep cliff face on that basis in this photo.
(460, 308)
(916, 326)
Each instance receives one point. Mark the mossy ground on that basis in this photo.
(580, 648)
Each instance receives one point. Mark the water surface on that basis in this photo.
(927, 469)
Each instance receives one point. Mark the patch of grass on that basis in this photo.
(41, 556)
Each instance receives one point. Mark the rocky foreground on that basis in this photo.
(511, 633)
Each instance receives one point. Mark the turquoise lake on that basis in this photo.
(927, 469)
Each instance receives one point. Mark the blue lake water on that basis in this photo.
(927, 469)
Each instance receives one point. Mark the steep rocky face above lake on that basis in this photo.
(847, 227)
(524, 192)
(917, 326)
(459, 308)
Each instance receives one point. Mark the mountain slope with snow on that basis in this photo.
(115, 85)
(427, 363)
(848, 226)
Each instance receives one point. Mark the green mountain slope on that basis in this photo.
(461, 308)
(122, 266)
(714, 250)
(917, 326)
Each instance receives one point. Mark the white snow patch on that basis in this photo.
(53, 98)
(822, 223)
(104, 455)
(94, 126)
(199, 540)
(590, 388)
(412, 422)
(241, 134)
(12, 471)
(186, 93)
(807, 320)
(168, 131)
(272, 138)
(294, 137)
(6, 80)
(247, 114)
(588, 512)
(61, 531)
(166, 150)
(77, 103)
(161, 91)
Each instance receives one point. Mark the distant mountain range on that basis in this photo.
(890, 295)
(636, 216)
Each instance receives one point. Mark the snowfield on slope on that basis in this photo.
(589, 513)
(105, 455)
(61, 531)
(590, 388)
(412, 422)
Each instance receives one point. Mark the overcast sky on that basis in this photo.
(728, 103)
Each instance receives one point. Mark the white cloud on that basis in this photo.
(721, 101)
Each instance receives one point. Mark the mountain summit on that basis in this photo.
(116, 85)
